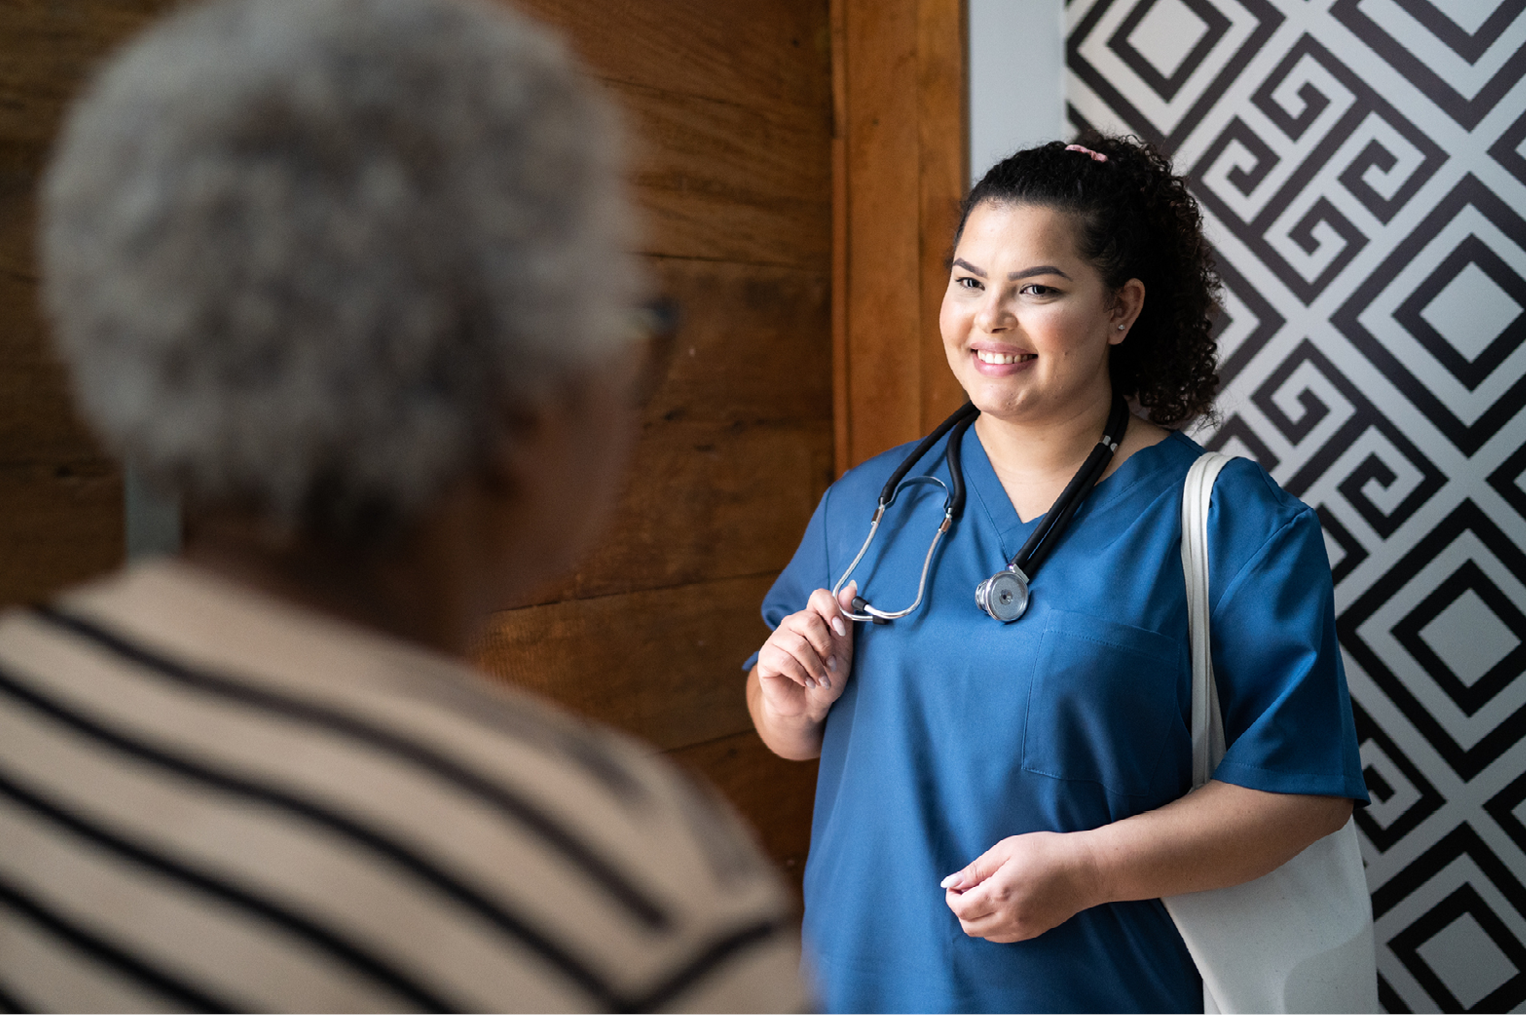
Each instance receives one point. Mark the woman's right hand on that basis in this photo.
(802, 670)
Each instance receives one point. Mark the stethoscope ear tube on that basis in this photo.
(963, 415)
(955, 426)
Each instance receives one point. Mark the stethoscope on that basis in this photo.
(1004, 596)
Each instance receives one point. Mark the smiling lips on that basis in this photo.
(992, 357)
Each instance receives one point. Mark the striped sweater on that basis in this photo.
(212, 801)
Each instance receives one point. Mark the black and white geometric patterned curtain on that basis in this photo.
(1362, 165)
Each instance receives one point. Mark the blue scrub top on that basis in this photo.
(956, 731)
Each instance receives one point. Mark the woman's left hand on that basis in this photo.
(1219, 835)
(1021, 887)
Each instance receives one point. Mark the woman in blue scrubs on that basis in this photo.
(1001, 806)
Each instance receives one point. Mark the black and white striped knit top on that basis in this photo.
(212, 801)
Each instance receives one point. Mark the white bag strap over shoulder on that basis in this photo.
(1207, 722)
(1299, 939)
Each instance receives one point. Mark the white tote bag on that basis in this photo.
(1299, 939)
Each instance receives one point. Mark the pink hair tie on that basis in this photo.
(1098, 156)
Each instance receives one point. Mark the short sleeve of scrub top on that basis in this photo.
(956, 731)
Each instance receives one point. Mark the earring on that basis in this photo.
(1120, 328)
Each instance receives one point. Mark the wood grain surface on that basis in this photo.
(733, 116)
(60, 495)
(728, 108)
(662, 664)
(775, 794)
(723, 181)
(900, 166)
(756, 55)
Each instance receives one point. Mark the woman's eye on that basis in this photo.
(969, 282)
(1036, 290)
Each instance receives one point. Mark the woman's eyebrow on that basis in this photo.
(961, 263)
(1029, 273)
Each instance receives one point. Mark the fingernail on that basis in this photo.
(826, 682)
(949, 881)
(810, 682)
(839, 627)
(831, 663)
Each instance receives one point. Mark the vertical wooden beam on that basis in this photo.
(842, 435)
(900, 163)
(944, 142)
(883, 235)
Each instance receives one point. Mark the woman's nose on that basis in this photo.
(991, 315)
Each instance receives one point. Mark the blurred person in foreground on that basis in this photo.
(349, 276)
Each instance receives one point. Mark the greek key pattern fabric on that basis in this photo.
(1362, 167)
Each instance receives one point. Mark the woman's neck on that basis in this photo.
(1034, 462)
(391, 596)
(434, 585)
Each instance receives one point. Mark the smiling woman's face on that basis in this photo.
(1026, 321)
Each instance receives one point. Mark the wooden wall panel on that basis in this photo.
(60, 523)
(49, 48)
(900, 165)
(749, 347)
(729, 182)
(775, 794)
(729, 109)
(706, 501)
(37, 420)
(60, 496)
(662, 664)
(756, 55)
(20, 162)
(943, 166)
(882, 241)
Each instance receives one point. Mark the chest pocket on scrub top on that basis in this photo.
(1102, 703)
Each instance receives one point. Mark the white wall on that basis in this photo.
(1017, 77)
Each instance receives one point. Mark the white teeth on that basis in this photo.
(987, 357)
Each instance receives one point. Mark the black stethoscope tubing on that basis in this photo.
(1004, 596)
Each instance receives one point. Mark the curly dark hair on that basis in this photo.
(1135, 220)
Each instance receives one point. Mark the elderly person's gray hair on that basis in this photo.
(308, 256)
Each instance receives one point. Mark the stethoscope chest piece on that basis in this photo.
(1004, 596)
